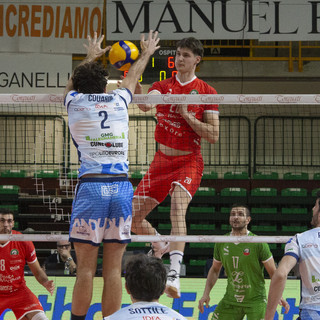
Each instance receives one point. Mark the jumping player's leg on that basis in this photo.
(87, 256)
(152, 190)
(141, 207)
(111, 272)
(179, 204)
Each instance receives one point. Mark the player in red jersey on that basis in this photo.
(177, 166)
(14, 293)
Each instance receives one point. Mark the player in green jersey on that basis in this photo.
(244, 265)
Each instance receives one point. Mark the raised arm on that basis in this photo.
(94, 51)
(212, 278)
(148, 47)
(148, 106)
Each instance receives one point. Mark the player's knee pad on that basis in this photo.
(40, 316)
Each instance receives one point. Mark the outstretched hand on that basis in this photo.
(49, 285)
(285, 305)
(94, 49)
(203, 301)
(151, 44)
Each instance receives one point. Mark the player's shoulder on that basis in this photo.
(205, 86)
(163, 83)
(309, 234)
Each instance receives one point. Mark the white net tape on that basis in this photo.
(277, 99)
(141, 238)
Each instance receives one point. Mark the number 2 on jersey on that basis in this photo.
(105, 115)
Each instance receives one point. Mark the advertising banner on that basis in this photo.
(58, 26)
(219, 19)
(58, 306)
(48, 26)
(36, 73)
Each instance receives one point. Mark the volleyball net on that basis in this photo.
(267, 157)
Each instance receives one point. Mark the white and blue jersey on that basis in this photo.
(99, 125)
(145, 310)
(305, 247)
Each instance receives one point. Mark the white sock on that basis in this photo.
(40, 316)
(176, 257)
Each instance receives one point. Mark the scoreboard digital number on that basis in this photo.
(160, 67)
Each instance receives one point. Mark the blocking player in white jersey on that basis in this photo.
(102, 208)
(244, 265)
(303, 248)
(145, 278)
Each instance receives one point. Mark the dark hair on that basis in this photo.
(90, 78)
(6, 211)
(193, 44)
(237, 205)
(145, 277)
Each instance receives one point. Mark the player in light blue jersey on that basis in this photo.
(102, 207)
(303, 248)
(146, 279)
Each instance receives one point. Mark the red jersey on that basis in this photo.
(172, 130)
(13, 257)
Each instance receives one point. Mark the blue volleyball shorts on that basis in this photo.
(102, 211)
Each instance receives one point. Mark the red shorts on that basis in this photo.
(21, 302)
(167, 171)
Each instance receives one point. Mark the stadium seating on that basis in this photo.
(296, 176)
(265, 176)
(233, 175)
(13, 173)
(47, 174)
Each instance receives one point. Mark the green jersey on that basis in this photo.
(243, 264)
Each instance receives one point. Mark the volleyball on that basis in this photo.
(123, 54)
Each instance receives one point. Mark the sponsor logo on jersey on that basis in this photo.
(106, 136)
(126, 230)
(309, 245)
(194, 91)
(98, 154)
(114, 144)
(226, 251)
(107, 144)
(314, 279)
(14, 252)
(107, 191)
(239, 298)
(6, 288)
(14, 268)
(81, 109)
(187, 180)
(100, 106)
(80, 229)
(246, 251)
